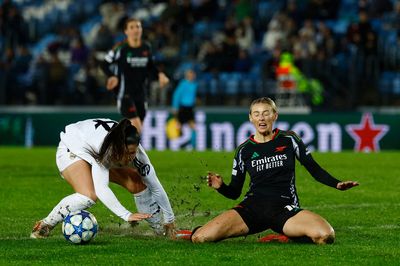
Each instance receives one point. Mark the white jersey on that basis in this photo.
(87, 135)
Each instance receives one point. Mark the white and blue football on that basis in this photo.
(79, 227)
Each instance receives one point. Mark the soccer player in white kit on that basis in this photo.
(93, 152)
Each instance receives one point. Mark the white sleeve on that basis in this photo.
(100, 177)
(150, 179)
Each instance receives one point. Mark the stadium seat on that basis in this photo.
(385, 82)
(200, 29)
(247, 85)
(389, 83)
(396, 85)
(230, 83)
(204, 80)
(266, 9)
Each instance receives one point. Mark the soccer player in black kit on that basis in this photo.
(271, 202)
(128, 66)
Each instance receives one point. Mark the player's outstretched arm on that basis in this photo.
(345, 185)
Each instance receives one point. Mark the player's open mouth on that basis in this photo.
(262, 125)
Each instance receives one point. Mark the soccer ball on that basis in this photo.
(79, 227)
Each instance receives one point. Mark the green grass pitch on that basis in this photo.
(366, 218)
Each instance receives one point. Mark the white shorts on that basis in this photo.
(64, 157)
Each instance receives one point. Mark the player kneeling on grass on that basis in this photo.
(271, 202)
(94, 152)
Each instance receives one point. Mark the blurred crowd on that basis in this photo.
(350, 46)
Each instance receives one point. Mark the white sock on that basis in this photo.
(146, 204)
(71, 203)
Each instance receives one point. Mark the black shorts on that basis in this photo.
(185, 114)
(130, 108)
(260, 215)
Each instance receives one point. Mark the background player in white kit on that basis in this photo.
(94, 152)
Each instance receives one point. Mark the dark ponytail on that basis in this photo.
(115, 145)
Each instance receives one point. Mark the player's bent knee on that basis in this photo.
(90, 194)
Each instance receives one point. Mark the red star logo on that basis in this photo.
(367, 134)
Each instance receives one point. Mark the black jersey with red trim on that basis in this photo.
(271, 167)
(133, 67)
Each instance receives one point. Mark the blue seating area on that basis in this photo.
(389, 83)
(232, 85)
(47, 18)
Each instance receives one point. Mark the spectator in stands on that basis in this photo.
(185, 20)
(207, 9)
(322, 9)
(20, 68)
(112, 13)
(307, 29)
(371, 44)
(357, 31)
(158, 36)
(4, 10)
(13, 26)
(245, 34)
(376, 8)
(242, 9)
(39, 79)
(230, 47)
(271, 64)
(8, 78)
(325, 41)
(273, 36)
(391, 20)
(57, 76)
(292, 11)
(210, 57)
(171, 12)
(79, 51)
(168, 47)
(103, 40)
(243, 62)
(304, 47)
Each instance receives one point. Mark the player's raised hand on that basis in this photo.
(214, 180)
(346, 185)
(112, 83)
(138, 217)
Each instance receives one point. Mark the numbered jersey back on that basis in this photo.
(86, 134)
